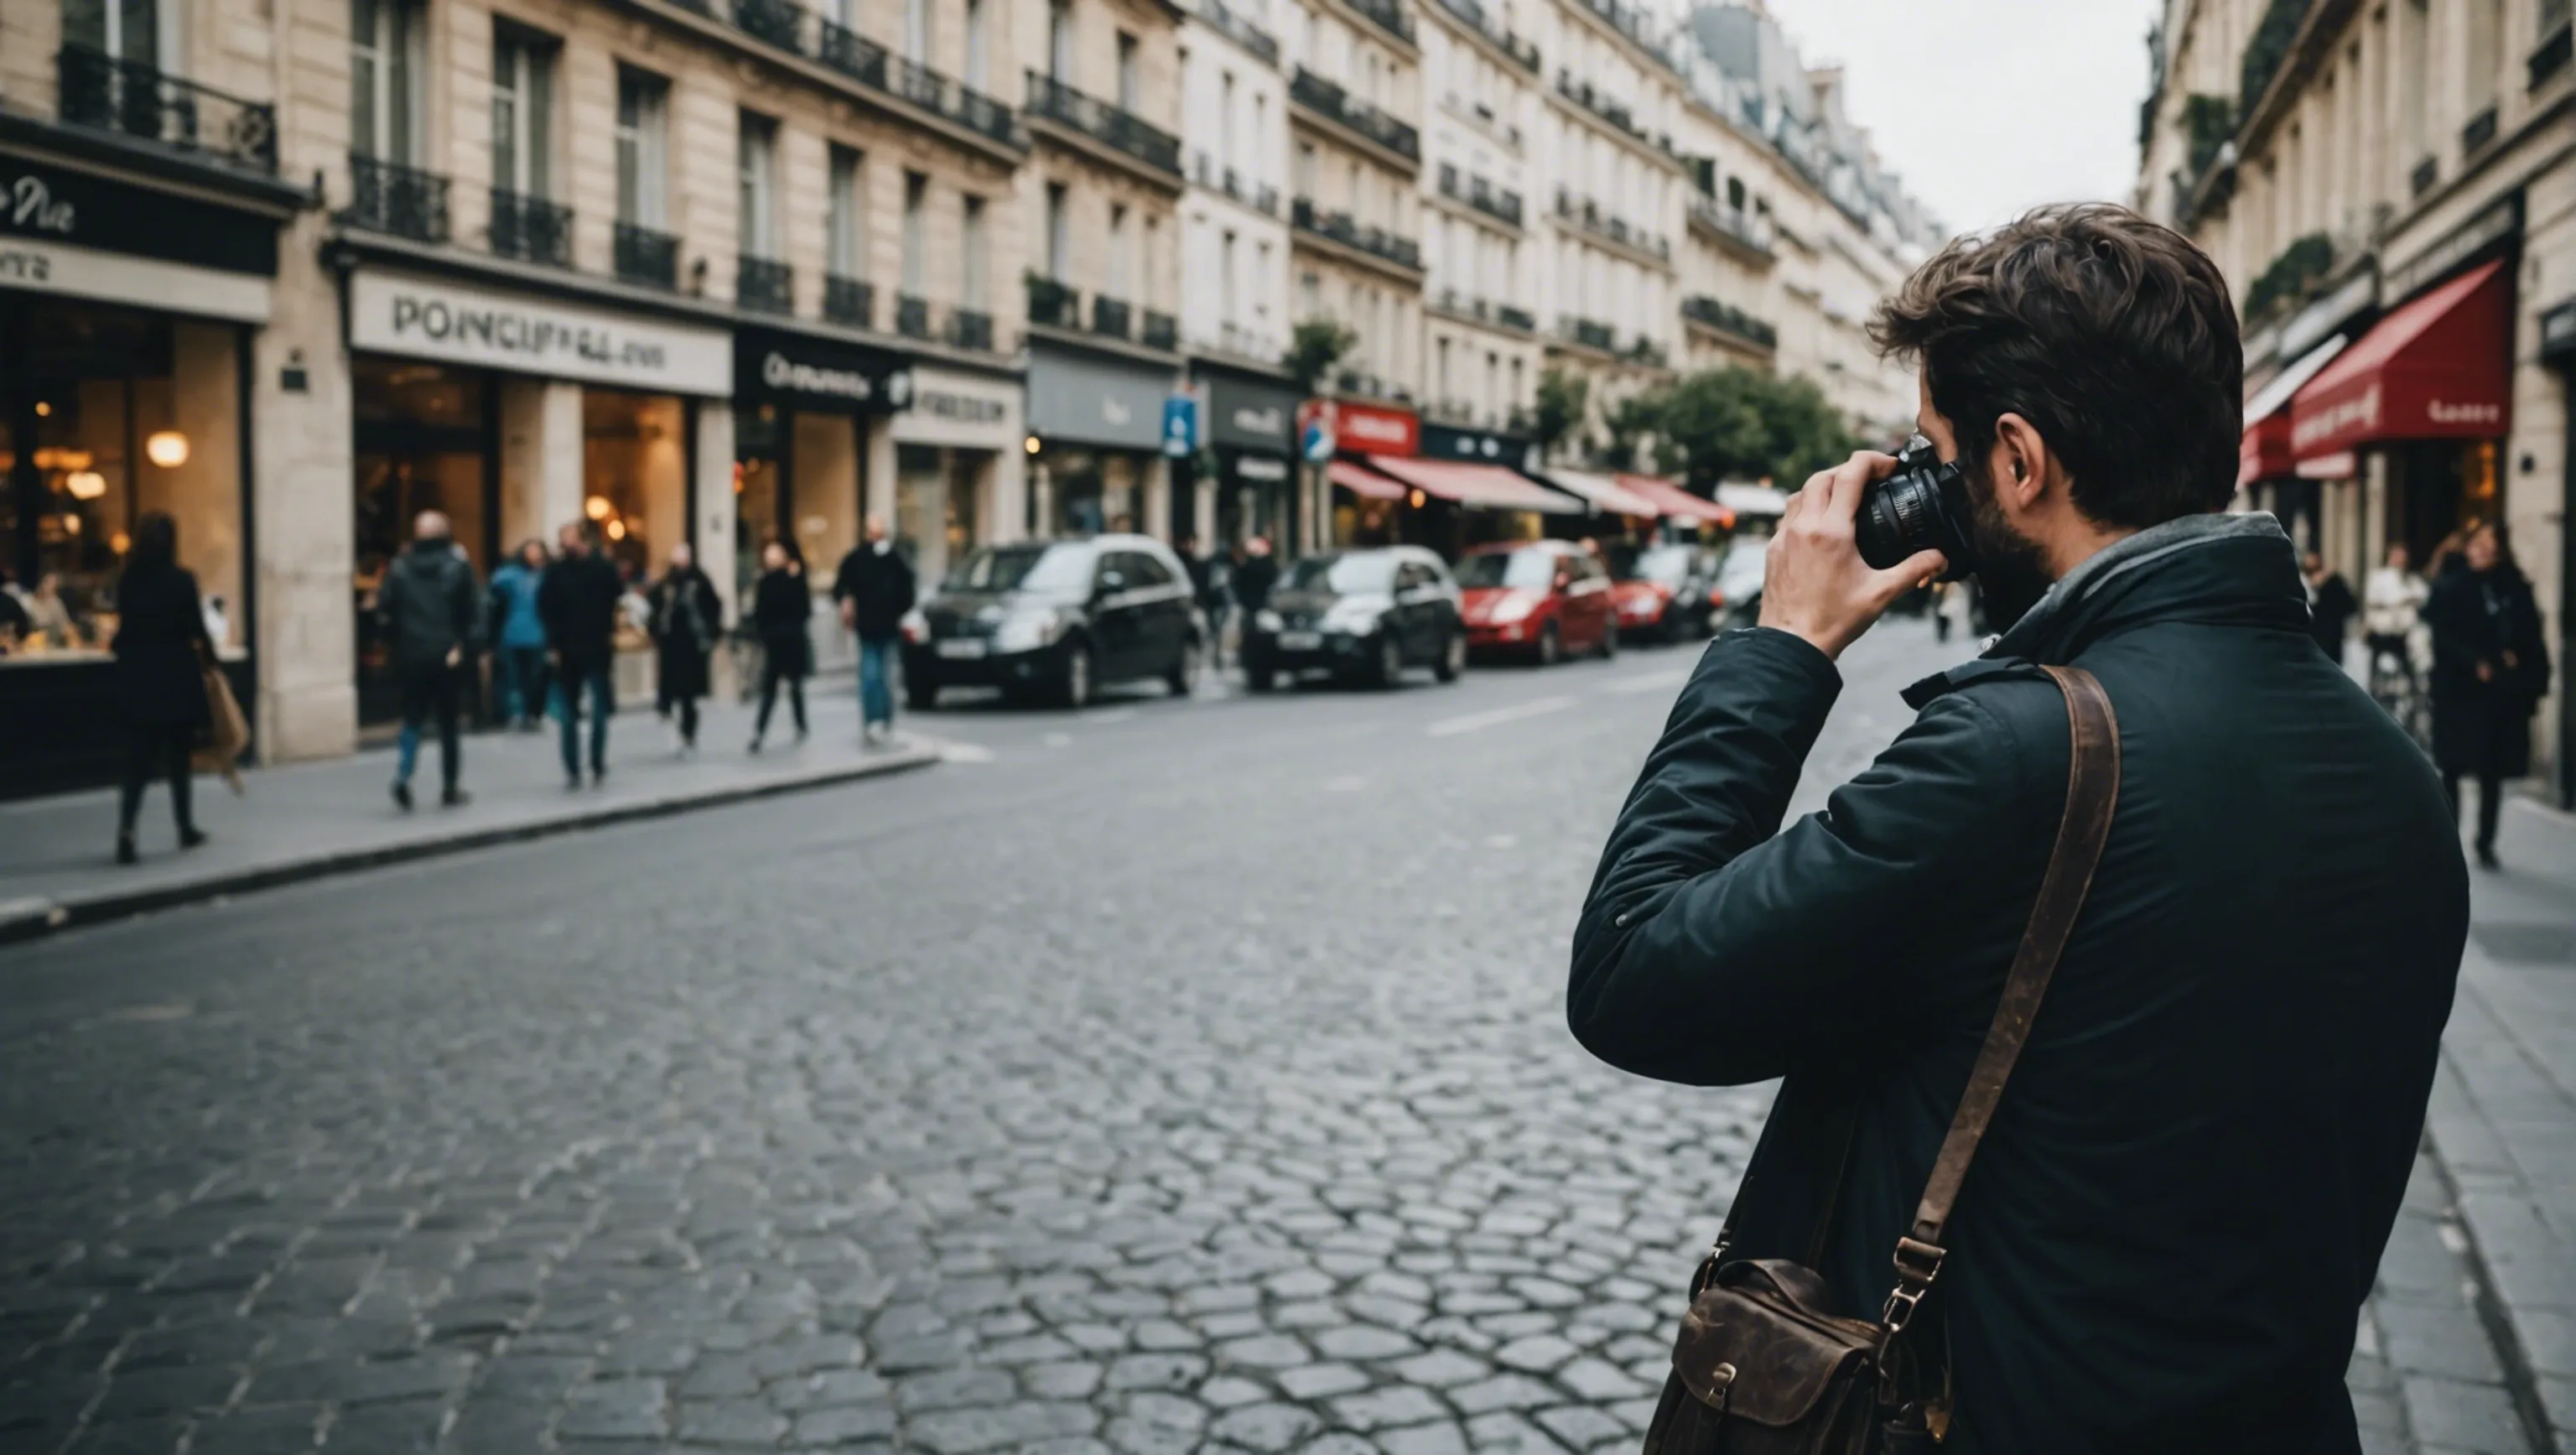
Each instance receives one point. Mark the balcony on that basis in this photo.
(866, 62)
(764, 285)
(1588, 333)
(2480, 130)
(134, 100)
(2426, 173)
(1260, 197)
(1599, 105)
(531, 229)
(1483, 195)
(970, 329)
(1319, 95)
(1239, 30)
(645, 256)
(1162, 331)
(1342, 228)
(779, 22)
(1109, 317)
(1729, 319)
(1052, 100)
(1749, 231)
(1630, 22)
(1586, 214)
(1519, 318)
(850, 301)
(1052, 304)
(1473, 13)
(911, 316)
(392, 198)
(2553, 53)
(1387, 15)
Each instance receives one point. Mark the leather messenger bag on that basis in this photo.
(1760, 1367)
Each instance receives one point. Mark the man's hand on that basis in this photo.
(1815, 585)
(454, 656)
(849, 616)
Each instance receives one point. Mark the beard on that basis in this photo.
(2012, 570)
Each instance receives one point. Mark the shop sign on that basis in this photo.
(1443, 442)
(2503, 220)
(818, 374)
(1246, 415)
(1374, 429)
(958, 409)
(77, 272)
(2558, 331)
(1315, 439)
(1180, 426)
(41, 204)
(1095, 402)
(1268, 469)
(427, 318)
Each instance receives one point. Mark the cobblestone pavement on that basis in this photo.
(1183, 1077)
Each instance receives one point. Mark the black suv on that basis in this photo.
(1060, 618)
(1362, 614)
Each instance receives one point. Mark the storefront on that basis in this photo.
(958, 465)
(1249, 418)
(2558, 354)
(126, 319)
(516, 414)
(1354, 502)
(1096, 432)
(803, 408)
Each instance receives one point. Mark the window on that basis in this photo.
(1261, 296)
(1225, 278)
(1735, 193)
(1060, 40)
(972, 296)
(2485, 53)
(1059, 236)
(1153, 295)
(1443, 376)
(1310, 295)
(1225, 147)
(756, 170)
(1118, 276)
(979, 48)
(916, 31)
(129, 30)
(384, 71)
(916, 243)
(522, 111)
(641, 169)
(1126, 71)
(843, 244)
(1305, 178)
(2414, 49)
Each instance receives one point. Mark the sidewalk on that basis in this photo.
(307, 820)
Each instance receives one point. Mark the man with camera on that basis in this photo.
(2179, 1201)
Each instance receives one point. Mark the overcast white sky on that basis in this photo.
(1988, 107)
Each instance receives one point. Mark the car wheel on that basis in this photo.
(1609, 640)
(1453, 657)
(1184, 676)
(1551, 645)
(1389, 669)
(920, 691)
(1074, 690)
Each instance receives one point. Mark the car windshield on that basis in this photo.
(1664, 565)
(1351, 575)
(1057, 567)
(1519, 570)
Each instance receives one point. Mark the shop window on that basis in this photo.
(423, 438)
(919, 506)
(965, 503)
(635, 475)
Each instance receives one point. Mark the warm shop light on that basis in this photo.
(71, 525)
(617, 530)
(1415, 500)
(1030, 444)
(166, 448)
(43, 409)
(120, 543)
(597, 507)
(85, 484)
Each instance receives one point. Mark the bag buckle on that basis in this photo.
(1917, 1264)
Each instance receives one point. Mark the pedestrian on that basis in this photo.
(2174, 1214)
(874, 589)
(47, 612)
(2490, 670)
(2331, 606)
(162, 655)
(684, 617)
(518, 635)
(2392, 611)
(16, 621)
(1254, 579)
(578, 602)
(781, 605)
(432, 616)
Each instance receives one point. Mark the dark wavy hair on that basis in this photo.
(2113, 336)
(156, 542)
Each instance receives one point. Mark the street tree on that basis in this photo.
(1736, 423)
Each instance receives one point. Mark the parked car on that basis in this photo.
(1664, 590)
(1360, 614)
(1739, 579)
(1540, 599)
(1059, 618)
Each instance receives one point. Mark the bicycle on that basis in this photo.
(2396, 686)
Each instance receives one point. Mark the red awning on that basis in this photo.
(1678, 503)
(1605, 494)
(2264, 451)
(1360, 480)
(1490, 487)
(2441, 367)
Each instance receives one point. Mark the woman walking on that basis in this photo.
(2490, 670)
(162, 653)
(780, 607)
(684, 618)
(518, 635)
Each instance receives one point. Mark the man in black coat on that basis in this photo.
(875, 588)
(433, 617)
(2180, 1205)
(577, 601)
(2490, 671)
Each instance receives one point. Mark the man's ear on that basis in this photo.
(2021, 462)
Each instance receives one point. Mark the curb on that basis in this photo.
(2521, 1382)
(34, 918)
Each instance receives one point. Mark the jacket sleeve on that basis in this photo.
(1711, 951)
(468, 608)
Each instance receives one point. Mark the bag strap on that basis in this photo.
(2092, 795)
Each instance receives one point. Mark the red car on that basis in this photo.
(1542, 599)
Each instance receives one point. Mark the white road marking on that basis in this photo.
(955, 752)
(1450, 727)
(1650, 681)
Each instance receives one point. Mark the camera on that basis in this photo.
(1922, 507)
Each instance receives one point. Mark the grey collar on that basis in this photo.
(2123, 556)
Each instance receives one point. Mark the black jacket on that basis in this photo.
(161, 648)
(687, 617)
(578, 602)
(879, 585)
(2181, 1203)
(780, 608)
(430, 604)
(1252, 581)
(2478, 617)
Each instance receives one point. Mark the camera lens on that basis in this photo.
(1899, 516)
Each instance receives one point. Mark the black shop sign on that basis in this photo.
(53, 204)
(817, 374)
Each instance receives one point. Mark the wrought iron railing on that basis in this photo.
(1053, 304)
(1727, 318)
(849, 300)
(1512, 45)
(2480, 130)
(1347, 230)
(1588, 215)
(1123, 131)
(1588, 332)
(390, 197)
(1162, 331)
(530, 229)
(1389, 16)
(1750, 229)
(779, 22)
(764, 285)
(1312, 91)
(911, 316)
(98, 90)
(868, 63)
(1481, 194)
(1239, 30)
(642, 255)
(1109, 316)
(1519, 318)
(970, 328)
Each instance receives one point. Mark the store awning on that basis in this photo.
(2264, 452)
(1360, 480)
(1606, 494)
(1678, 503)
(1487, 487)
(2440, 367)
(1753, 499)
